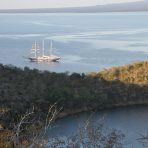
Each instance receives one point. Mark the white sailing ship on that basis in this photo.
(41, 57)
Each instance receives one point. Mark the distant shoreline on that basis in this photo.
(95, 12)
(99, 108)
(114, 7)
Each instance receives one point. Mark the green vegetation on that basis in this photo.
(22, 89)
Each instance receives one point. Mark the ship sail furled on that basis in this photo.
(35, 49)
(51, 47)
(43, 49)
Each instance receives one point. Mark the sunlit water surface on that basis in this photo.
(85, 42)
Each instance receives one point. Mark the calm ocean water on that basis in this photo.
(131, 121)
(85, 42)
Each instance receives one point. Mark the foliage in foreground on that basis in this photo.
(90, 135)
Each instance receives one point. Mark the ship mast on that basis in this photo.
(38, 56)
(43, 49)
(51, 47)
(35, 49)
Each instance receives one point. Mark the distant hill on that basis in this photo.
(122, 7)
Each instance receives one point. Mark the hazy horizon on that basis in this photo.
(30, 4)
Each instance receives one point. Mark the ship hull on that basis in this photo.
(44, 59)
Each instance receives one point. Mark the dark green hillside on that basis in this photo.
(22, 89)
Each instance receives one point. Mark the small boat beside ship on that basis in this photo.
(39, 54)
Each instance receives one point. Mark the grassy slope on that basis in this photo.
(136, 73)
